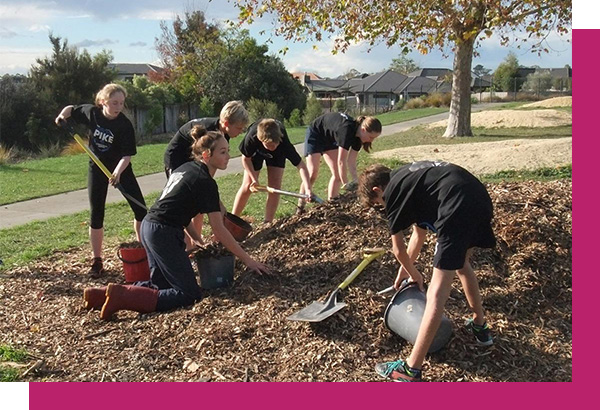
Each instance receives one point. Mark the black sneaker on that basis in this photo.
(398, 371)
(96, 270)
(482, 333)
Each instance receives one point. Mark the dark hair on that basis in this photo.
(371, 124)
(204, 141)
(376, 175)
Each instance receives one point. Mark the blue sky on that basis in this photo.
(129, 27)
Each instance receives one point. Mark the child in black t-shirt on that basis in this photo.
(112, 139)
(267, 141)
(190, 190)
(454, 204)
(231, 122)
(338, 138)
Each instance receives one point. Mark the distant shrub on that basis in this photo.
(295, 119)
(313, 109)
(6, 155)
(263, 109)
(414, 103)
(49, 151)
(339, 105)
(72, 148)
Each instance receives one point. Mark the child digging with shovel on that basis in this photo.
(451, 202)
(112, 140)
(190, 190)
(267, 142)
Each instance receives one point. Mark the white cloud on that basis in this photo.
(95, 43)
(39, 27)
(19, 61)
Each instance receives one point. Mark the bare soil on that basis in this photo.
(552, 102)
(482, 158)
(241, 333)
(515, 118)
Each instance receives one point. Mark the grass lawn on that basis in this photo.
(39, 239)
(12, 355)
(51, 176)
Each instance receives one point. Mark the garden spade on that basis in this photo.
(318, 311)
(64, 124)
(262, 188)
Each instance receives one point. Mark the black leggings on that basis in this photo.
(98, 188)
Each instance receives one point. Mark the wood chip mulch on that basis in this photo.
(241, 333)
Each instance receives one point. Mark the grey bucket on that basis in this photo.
(215, 272)
(404, 314)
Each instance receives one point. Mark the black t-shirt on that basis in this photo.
(179, 150)
(438, 196)
(338, 127)
(109, 139)
(251, 146)
(189, 191)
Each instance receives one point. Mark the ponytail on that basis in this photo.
(370, 124)
(205, 142)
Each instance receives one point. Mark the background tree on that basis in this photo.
(421, 25)
(480, 70)
(538, 82)
(313, 109)
(73, 77)
(205, 61)
(404, 65)
(506, 74)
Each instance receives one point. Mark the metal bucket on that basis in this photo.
(215, 272)
(404, 314)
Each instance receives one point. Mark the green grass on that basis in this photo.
(22, 244)
(10, 354)
(51, 176)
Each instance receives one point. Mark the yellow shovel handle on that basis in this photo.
(367, 258)
(92, 156)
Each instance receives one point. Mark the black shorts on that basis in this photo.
(314, 144)
(272, 161)
(468, 228)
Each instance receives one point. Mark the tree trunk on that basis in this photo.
(459, 122)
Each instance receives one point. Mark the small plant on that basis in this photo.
(6, 155)
(51, 150)
(10, 354)
(73, 148)
(313, 109)
(263, 109)
(414, 103)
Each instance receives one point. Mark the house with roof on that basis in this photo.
(126, 71)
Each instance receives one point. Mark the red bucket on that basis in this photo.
(135, 264)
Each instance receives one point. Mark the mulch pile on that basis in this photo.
(241, 333)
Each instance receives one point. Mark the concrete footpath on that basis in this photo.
(38, 209)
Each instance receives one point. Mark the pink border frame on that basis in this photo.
(92, 396)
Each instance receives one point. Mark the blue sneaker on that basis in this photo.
(398, 371)
(482, 333)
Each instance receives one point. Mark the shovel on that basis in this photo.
(262, 188)
(317, 311)
(64, 124)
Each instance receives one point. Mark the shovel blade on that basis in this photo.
(315, 312)
(318, 311)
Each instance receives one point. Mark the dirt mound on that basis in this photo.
(515, 118)
(552, 102)
(490, 157)
(241, 333)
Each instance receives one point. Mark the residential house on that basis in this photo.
(126, 71)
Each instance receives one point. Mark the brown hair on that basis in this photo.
(376, 175)
(107, 91)
(204, 141)
(268, 131)
(371, 124)
(235, 113)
